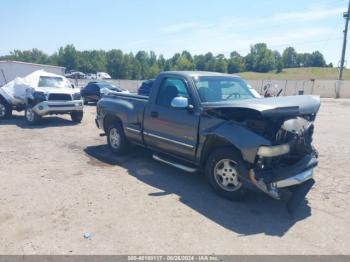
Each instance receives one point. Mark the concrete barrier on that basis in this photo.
(323, 88)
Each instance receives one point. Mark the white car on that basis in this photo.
(41, 93)
(91, 76)
(103, 75)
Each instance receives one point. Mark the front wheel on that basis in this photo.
(77, 116)
(32, 118)
(5, 109)
(116, 139)
(224, 170)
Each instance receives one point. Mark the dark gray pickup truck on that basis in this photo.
(212, 122)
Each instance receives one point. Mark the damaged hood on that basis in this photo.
(272, 106)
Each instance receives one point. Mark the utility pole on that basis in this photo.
(342, 61)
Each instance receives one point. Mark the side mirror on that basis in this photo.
(73, 86)
(179, 102)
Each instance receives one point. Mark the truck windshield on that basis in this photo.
(51, 81)
(221, 88)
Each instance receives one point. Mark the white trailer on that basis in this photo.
(9, 70)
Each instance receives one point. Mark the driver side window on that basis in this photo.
(169, 89)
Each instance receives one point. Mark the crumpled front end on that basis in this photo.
(289, 163)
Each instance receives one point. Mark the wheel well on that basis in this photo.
(108, 119)
(212, 143)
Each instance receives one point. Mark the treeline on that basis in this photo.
(145, 65)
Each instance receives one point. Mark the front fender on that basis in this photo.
(245, 140)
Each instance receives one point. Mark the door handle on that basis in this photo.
(154, 114)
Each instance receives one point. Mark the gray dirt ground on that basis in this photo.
(58, 181)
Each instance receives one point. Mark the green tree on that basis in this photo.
(289, 58)
(317, 59)
(221, 64)
(146, 65)
(115, 63)
(260, 58)
(199, 61)
(143, 58)
(278, 61)
(161, 62)
(68, 57)
(235, 63)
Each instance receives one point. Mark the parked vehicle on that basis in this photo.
(40, 93)
(75, 75)
(102, 75)
(212, 122)
(92, 91)
(91, 76)
(145, 87)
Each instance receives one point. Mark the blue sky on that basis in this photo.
(167, 27)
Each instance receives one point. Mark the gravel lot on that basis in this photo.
(59, 181)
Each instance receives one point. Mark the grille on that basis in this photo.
(60, 97)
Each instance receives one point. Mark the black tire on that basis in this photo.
(77, 116)
(5, 109)
(113, 130)
(217, 162)
(86, 102)
(32, 118)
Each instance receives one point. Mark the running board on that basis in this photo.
(177, 165)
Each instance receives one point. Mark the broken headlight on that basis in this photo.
(76, 96)
(39, 96)
(272, 151)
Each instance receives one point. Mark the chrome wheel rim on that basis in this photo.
(2, 111)
(30, 114)
(226, 175)
(114, 138)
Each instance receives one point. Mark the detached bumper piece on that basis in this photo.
(279, 174)
(297, 178)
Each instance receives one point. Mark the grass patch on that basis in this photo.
(317, 73)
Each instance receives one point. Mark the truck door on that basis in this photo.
(168, 129)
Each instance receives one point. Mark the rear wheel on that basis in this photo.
(5, 109)
(116, 139)
(32, 118)
(77, 116)
(223, 170)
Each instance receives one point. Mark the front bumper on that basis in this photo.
(297, 179)
(57, 107)
(291, 175)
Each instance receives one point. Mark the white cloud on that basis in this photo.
(309, 15)
(246, 22)
(181, 27)
(238, 33)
